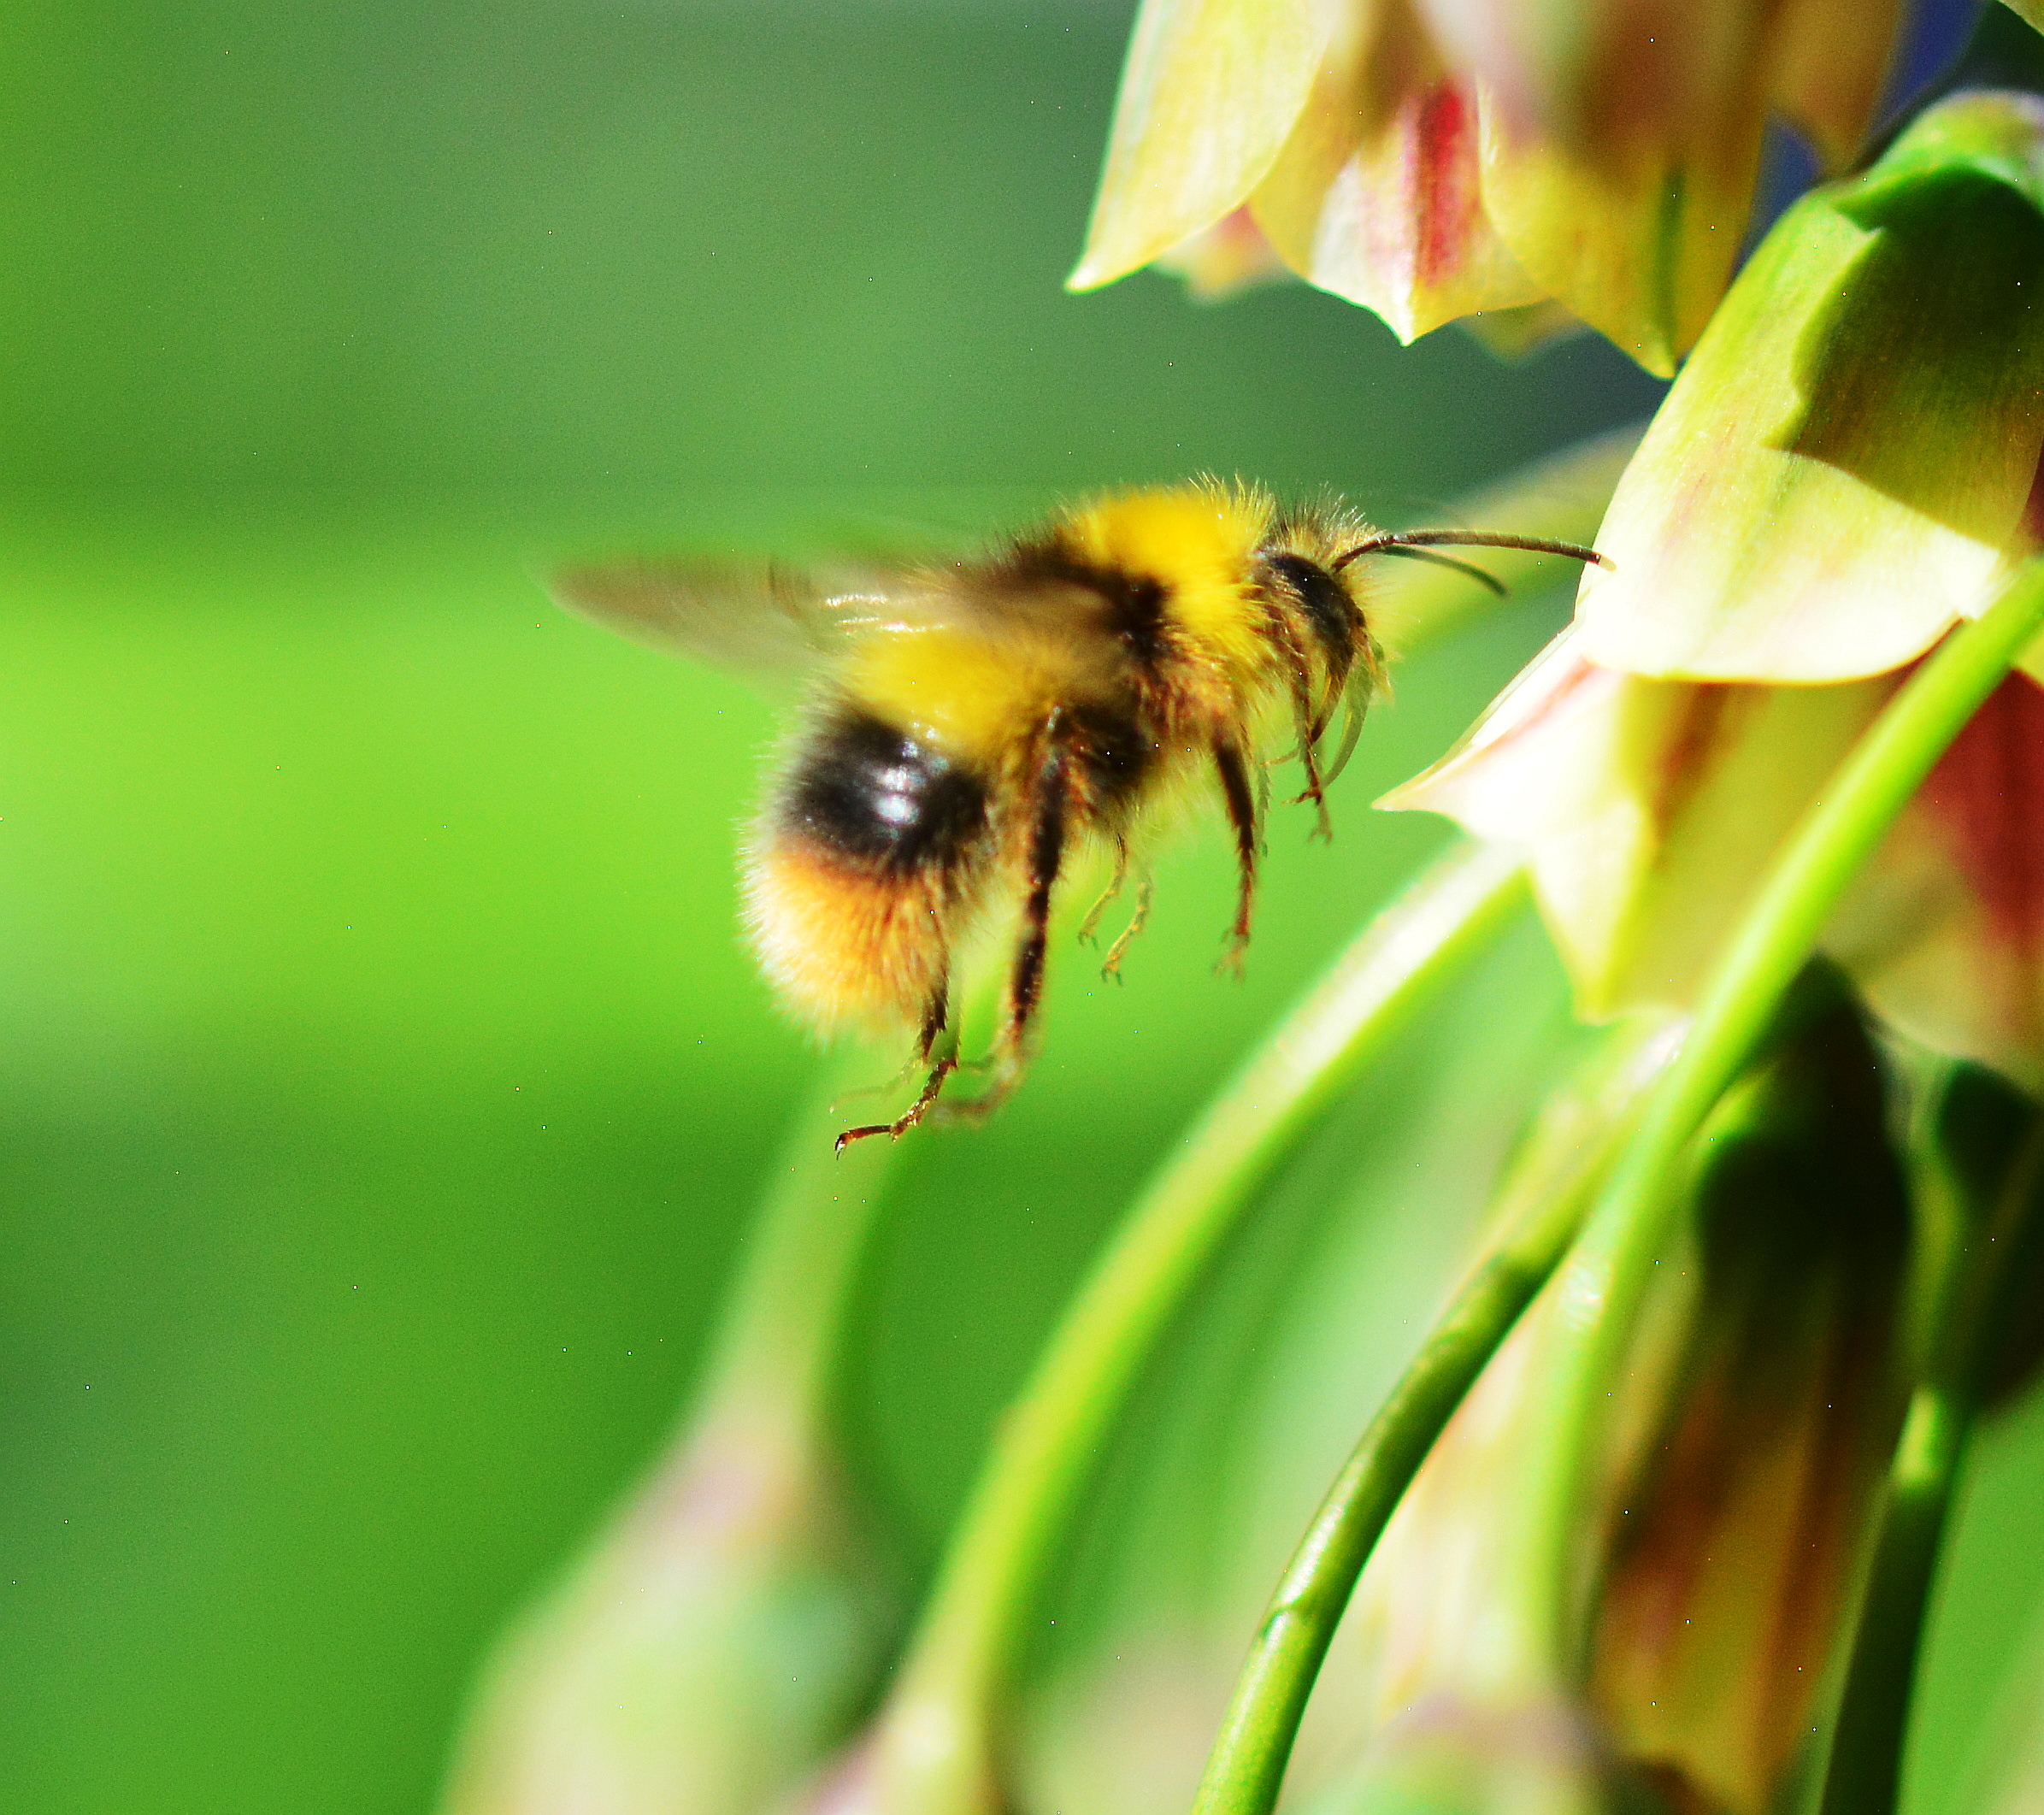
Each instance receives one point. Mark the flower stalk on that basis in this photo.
(713, 1642)
(932, 1751)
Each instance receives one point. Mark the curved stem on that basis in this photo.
(1866, 1746)
(1600, 1289)
(778, 1346)
(1544, 1202)
(1868, 1742)
(933, 1742)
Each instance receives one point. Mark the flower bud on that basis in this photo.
(1742, 1521)
(705, 1656)
(1745, 1439)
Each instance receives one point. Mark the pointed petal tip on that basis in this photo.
(1094, 272)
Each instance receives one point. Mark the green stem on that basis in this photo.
(777, 1351)
(1543, 1206)
(1868, 1742)
(1866, 1746)
(1600, 1291)
(934, 1750)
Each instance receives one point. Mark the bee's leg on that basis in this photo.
(1308, 755)
(1309, 717)
(1146, 893)
(936, 1016)
(1234, 770)
(1091, 924)
(941, 1058)
(1051, 802)
(913, 1113)
(1047, 857)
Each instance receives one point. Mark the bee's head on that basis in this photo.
(1319, 591)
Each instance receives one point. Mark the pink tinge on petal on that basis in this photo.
(1699, 718)
(1447, 189)
(1987, 794)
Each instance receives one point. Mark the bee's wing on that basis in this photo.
(767, 623)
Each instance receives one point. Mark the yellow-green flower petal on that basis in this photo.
(1377, 194)
(2033, 10)
(1210, 93)
(1639, 238)
(1845, 467)
(1514, 334)
(1534, 57)
(1622, 137)
(1648, 809)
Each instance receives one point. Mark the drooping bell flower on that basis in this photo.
(1846, 470)
(1436, 159)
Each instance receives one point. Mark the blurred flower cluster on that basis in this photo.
(1527, 165)
(1651, 1520)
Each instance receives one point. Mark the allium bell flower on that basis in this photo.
(1433, 159)
(1846, 468)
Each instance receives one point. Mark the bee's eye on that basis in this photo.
(1327, 605)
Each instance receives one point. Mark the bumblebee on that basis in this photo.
(969, 727)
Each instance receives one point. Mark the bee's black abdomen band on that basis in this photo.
(865, 790)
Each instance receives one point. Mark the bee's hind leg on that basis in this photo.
(932, 1087)
(937, 1046)
(1045, 853)
(1315, 787)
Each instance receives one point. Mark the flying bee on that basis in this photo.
(969, 727)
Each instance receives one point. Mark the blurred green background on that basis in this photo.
(383, 1088)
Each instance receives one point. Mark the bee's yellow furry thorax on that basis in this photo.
(966, 696)
(1197, 542)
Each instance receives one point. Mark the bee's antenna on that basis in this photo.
(1409, 542)
(1469, 567)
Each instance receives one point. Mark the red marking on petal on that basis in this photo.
(1987, 794)
(1445, 198)
(2033, 508)
(1688, 754)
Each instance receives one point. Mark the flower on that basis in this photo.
(1849, 464)
(1436, 159)
(1846, 468)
